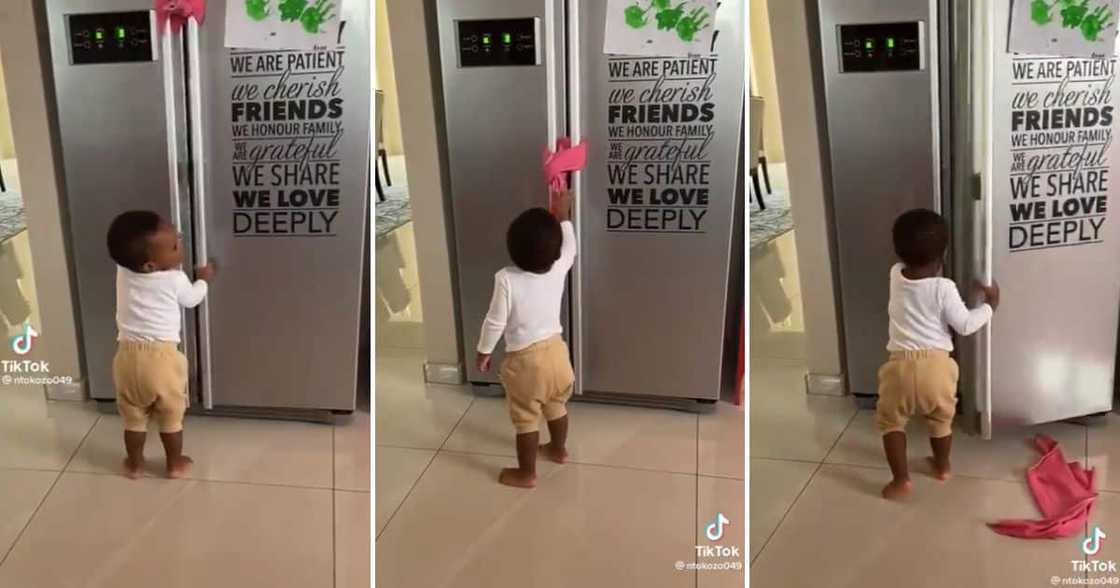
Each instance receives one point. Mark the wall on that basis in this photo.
(803, 132)
(422, 131)
(763, 81)
(7, 149)
(39, 172)
(385, 81)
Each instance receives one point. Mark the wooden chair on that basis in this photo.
(757, 105)
(381, 155)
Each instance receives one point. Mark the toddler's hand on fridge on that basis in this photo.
(206, 272)
(991, 293)
(482, 361)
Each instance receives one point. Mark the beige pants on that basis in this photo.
(151, 380)
(537, 379)
(918, 382)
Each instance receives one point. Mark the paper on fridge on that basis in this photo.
(1063, 28)
(283, 24)
(659, 27)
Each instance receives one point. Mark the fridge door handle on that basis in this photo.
(198, 210)
(574, 122)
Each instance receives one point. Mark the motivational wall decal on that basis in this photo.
(287, 128)
(1062, 118)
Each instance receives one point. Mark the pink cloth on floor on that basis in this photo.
(565, 159)
(1064, 493)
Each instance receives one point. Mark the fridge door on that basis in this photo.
(1053, 243)
(283, 200)
(655, 266)
(111, 68)
(502, 108)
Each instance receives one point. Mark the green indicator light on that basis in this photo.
(890, 42)
(485, 39)
(120, 33)
(507, 38)
(869, 44)
(99, 35)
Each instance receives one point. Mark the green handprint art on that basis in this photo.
(314, 17)
(695, 22)
(291, 10)
(1096, 22)
(1073, 13)
(257, 10)
(667, 19)
(1041, 12)
(636, 16)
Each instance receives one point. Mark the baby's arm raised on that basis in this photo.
(189, 294)
(964, 321)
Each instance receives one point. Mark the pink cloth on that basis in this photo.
(565, 159)
(1064, 493)
(178, 11)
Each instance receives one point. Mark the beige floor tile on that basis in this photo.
(37, 434)
(722, 496)
(411, 413)
(351, 452)
(22, 491)
(99, 531)
(1005, 457)
(351, 533)
(842, 534)
(224, 449)
(722, 441)
(648, 438)
(1104, 452)
(397, 472)
(774, 487)
(787, 423)
(581, 526)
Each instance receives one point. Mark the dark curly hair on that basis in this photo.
(128, 237)
(920, 237)
(534, 239)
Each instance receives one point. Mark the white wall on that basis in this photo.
(24, 74)
(419, 131)
(802, 141)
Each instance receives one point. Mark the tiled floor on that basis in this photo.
(269, 503)
(627, 507)
(816, 468)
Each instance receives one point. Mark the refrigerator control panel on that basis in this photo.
(881, 47)
(511, 41)
(111, 37)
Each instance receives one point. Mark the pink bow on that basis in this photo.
(178, 11)
(565, 159)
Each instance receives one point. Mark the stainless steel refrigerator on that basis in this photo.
(653, 292)
(259, 157)
(924, 107)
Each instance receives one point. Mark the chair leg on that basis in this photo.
(380, 190)
(765, 173)
(385, 164)
(757, 190)
(3, 188)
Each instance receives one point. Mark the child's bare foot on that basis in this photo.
(179, 467)
(517, 478)
(896, 490)
(134, 470)
(940, 472)
(556, 454)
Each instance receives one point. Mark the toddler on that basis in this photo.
(149, 371)
(920, 377)
(525, 308)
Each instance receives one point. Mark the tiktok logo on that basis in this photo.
(1092, 545)
(21, 343)
(714, 530)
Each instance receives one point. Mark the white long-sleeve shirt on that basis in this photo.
(148, 304)
(525, 306)
(922, 312)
